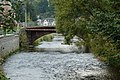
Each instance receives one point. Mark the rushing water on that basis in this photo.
(50, 64)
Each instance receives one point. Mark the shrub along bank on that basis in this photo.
(48, 38)
(23, 41)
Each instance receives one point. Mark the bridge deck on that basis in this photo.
(34, 33)
(41, 30)
(44, 27)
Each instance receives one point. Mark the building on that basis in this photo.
(46, 22)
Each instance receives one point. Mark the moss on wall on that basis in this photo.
(23, 39)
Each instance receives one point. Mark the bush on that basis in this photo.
(2, 77)
(106, 50)
(48, 38)
(23, 39)
(114, 60)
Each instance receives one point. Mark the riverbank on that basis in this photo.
(54, 64)
(8, 46)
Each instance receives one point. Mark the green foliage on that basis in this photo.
(96, 22)
(48, 38)
(2, 77)
(71, 20)
(115, 60)
(7, 21)
(105, 29)
(45, 9)
(19, 8)
(23, 39)
(33, 9)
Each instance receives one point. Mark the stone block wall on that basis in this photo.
(8, 44)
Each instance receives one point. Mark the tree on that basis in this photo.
(72, 19)
(20, 6)
(45, 9)
(106, 25)
(7, 16)
(33, 8)
(95, 21)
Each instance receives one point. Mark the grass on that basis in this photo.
(48, 38)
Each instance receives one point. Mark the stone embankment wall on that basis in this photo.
(23, 40)
(8, 44)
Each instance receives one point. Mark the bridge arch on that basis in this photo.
(33, 33)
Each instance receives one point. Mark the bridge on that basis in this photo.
(33, 33)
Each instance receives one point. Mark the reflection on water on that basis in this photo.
(50, 65)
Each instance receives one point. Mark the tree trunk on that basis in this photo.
(87, 49)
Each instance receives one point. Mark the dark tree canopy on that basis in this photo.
(34, 8)
(96, 22)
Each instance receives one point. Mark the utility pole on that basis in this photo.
(25, 13)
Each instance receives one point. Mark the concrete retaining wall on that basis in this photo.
(8, 44)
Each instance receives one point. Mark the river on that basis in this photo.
(56, 61)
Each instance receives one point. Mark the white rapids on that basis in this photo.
(52, 64)
(57, 45)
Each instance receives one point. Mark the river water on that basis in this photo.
(56, 61)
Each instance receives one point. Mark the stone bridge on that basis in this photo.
(33, 33)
